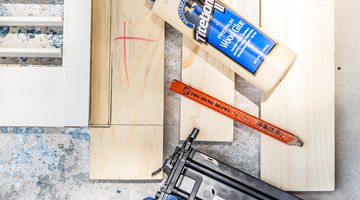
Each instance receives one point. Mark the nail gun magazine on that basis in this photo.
(193, 175)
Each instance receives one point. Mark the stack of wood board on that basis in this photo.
(304, 102)
(127, 91)
(202, 71)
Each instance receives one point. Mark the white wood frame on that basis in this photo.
(52, 96)
(31, 21)
(31, 52)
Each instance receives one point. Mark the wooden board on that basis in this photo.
(138, 85)
(100, 64)
(204, 72)
(125, 152)
(304, 102)
(132, 147)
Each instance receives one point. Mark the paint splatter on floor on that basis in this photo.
(51, 163)
(4, 30)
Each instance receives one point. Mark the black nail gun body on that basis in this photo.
(193, 175)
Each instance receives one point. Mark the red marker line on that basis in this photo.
(134, 38)
(124, 38)
(125, 65)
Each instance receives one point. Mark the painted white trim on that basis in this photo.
(32, 96)
(76, 60)
(31, 21)
(31, 52)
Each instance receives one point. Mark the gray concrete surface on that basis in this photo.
(50, 163)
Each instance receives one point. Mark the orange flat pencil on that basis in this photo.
(236, 114)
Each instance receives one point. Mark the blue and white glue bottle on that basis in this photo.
(237, 43)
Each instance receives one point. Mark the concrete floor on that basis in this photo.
(49, 163)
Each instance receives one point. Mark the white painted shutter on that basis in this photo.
(51, 96)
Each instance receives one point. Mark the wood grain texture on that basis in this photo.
(138, 83)
(304, 102)
(100, 64)
(126, 152)
(202, 71)
(132, 148)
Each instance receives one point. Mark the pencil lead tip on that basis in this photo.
(300, 143)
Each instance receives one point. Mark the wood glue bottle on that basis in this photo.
(238, 44)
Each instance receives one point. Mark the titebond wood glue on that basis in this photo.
(234, 41)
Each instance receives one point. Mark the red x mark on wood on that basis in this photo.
(124, 38)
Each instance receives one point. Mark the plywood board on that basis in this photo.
(201, 71)
(100, 64)
(126, 152)
(304, 102)
(138, 78)
(204, 72)
(131, 149)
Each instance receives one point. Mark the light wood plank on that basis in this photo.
(100, 64)
(31, 21)
(304, 102)
(201, 71)
(126, 152)
(131, 149)
(137, 98)
(31, 52)
(204, 72)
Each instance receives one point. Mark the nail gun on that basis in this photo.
(193, 175)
